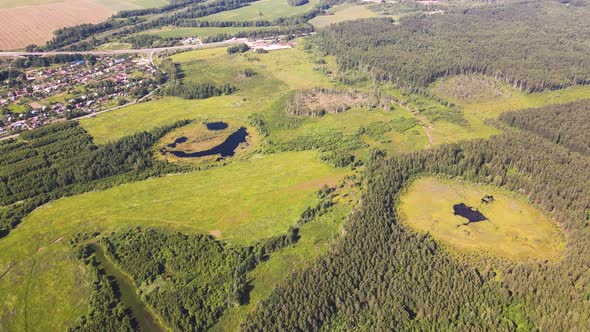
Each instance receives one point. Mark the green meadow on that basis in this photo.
(262, 10)
(514, 229)
(316, 238)
(489, 105)
(113, 46)
(200, 32)
(240, 203)
(277, 73)
(341, 13)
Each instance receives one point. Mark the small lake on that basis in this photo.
(179, 140)
(225, 149)
(216, 125)
(468, 213)
(128, 293)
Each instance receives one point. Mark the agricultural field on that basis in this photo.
(512, 228)
(34, 21)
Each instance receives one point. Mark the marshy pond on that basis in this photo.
(469, 213)
(225, 149)
(127, 293)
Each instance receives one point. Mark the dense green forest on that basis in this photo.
(567, 125)
(189, 280)
(533, 45)
(352, 286)
(107, 313)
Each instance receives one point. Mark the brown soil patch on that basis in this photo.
(318, 102)
(22, 26)
(216, 233)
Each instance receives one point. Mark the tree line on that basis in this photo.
(384, 276)
(61, 159)
(565, 124)
(522, 43)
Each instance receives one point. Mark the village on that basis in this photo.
(78, 88)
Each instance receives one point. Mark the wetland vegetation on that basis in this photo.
(422, 168)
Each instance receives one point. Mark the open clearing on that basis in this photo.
(200, 32)
(34, 21)
(481, 105)
(342, 13)
(277, 73)
(243, 202)
(262, 10)
(514, 228)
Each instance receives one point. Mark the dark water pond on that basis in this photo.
(179, 140)
(225, 149)
(216, 125)
(469, 213)
(128, 294)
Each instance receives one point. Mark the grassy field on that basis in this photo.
(514, 228)
(242, 202)
(316, 238)
(349, 122)
(114, 46)
(277, 72)
(341, 13)
(482, 105)
(262, 10)
(200, 32)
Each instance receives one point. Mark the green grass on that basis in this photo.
(341, 13)
(489, 105)
(515, 229)
(200, 32)
(114, 46)
(17, 108)
(316, 238)
(349, 122)
(245, 201)
(262, 10)
(278, 73)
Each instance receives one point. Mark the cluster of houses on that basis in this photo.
(73, 90)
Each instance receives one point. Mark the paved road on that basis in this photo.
(149, 51)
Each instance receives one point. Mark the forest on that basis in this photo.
(351, 286)
(527, 36)
(566, 124)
